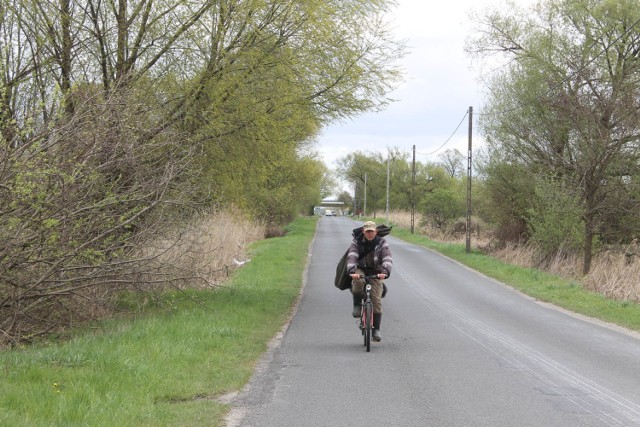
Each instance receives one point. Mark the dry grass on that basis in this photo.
(400, 218)
(613, 274)
(525, 255)
(615, 277)
(403, 219)
(207, 249)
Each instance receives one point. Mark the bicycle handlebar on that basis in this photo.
(373, 276)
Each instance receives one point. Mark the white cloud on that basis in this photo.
(439, 87)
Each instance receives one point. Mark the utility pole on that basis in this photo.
(364, 209)
(468, 225)
(355, 199)
(387, 211)
(413, 189)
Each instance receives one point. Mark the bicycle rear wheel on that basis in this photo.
(368, 323)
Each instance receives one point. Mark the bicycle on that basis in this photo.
(366, 313)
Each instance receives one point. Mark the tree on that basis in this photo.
(508, 194)
(441, 197)
(568, 106)
(453, 161)
(369, 176)
(121, 118)
(555, 219)
(328, 184)
(79, 210)
(262, 87)
(441, 206)
(359, 167)
(347, 199)
(400, 180)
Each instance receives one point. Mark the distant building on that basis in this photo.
(335, 206)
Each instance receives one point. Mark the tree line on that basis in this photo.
(561, 168)
(435, 190)
(120, 120)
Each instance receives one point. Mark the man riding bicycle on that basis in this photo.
(369, 254)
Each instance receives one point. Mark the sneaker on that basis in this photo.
(357, 309)
(376, 335)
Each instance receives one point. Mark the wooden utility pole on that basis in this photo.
(355, 199)
(468, 225)
(364, 209)
(388, 170)
(413, 189)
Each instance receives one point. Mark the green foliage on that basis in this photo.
(178, 107)
(443, 196)
(439, 194)
(368, 173)
(374, 168)
(347, 199)
(554, 218)
(621, 202)
(565, 107)
(400, 181)
(509, 195)
(257, 114)
(443, 205)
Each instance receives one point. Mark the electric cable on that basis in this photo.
(448, 139)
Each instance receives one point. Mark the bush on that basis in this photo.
(77, 200)
(555, 218)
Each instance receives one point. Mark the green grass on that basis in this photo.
(537, 284)
(168, 367)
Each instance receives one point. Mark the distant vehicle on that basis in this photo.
(328, 213)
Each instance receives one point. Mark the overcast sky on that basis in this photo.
(440, 86)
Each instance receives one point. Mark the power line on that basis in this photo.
(448, 139)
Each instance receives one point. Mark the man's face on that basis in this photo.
(370, 234)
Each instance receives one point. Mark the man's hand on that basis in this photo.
(382, 276)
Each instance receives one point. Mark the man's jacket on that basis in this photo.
(359, 255)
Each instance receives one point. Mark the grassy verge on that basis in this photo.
(537, 284)
(168, 367)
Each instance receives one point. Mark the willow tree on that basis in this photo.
(275, 73)
(566, 106)
(371, 172)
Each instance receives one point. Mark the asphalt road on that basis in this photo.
(458, 349)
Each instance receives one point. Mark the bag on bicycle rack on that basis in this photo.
(342, 280)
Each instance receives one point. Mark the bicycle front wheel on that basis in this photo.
(368, 324)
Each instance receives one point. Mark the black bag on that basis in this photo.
(383, 230)
(342, 280)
